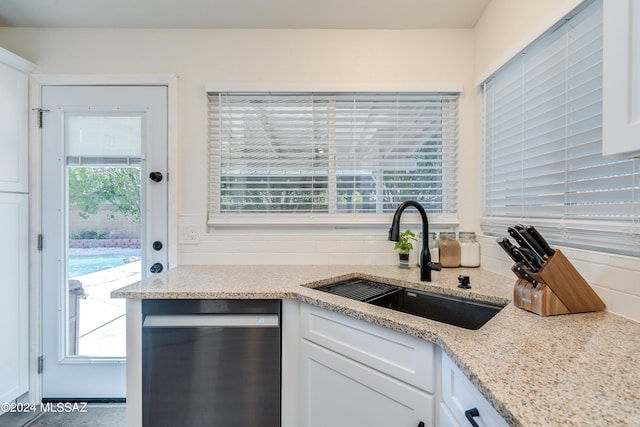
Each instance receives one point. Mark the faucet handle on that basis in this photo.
(434, 266)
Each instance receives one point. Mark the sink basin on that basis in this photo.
(453, 310)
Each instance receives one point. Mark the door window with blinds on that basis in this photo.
(331, 155)
(543, 135)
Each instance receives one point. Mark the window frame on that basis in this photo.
(322, 219)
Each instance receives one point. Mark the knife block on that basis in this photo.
(561, 290)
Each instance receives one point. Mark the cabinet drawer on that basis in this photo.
(460, 395)
(407, 358)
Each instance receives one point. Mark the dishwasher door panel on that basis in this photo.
(211, 376)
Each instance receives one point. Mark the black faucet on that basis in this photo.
(425, 255)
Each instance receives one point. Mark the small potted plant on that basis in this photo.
(404, 246)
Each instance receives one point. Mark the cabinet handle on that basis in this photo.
(420, 424)
(470, 414)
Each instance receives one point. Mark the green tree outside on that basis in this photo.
(90, 187)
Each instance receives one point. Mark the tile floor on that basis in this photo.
(101, 332)
(94, 415)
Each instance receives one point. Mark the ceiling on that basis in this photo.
(325, 14)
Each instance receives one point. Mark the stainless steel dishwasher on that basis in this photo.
(211, 363)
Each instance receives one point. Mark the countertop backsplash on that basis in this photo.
(615, 278)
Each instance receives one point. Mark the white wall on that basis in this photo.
(508, 26)
(303, 57)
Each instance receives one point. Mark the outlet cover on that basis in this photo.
(188, 234)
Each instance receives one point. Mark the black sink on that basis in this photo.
(457, 311)
(453, 310)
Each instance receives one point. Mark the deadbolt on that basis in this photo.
(155, 176)
(156, 268)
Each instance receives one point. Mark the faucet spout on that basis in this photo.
(426, 265)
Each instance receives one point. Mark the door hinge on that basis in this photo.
(40, 242)
(40, 364)
(40, 111)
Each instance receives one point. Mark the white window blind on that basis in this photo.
(331, 154)
(543, 134)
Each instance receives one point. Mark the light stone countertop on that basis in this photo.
(569, 370)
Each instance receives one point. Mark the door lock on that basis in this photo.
(156, 268)
(155, 176)
(157, 245)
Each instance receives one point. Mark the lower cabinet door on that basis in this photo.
(459, 396)
(338, 392)
(14, 291)
(446, 417)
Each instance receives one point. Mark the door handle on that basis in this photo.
(155, 176)
(470, 414)
(211, 320)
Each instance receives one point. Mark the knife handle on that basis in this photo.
(541, 240)
(524, 244)
(518, 269)
(515, 233)
(522, 258)
(507, 246)
(533, 258)
(533, 243)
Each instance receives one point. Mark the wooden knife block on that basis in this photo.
(561, 290)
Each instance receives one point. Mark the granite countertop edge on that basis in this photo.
(529, 367)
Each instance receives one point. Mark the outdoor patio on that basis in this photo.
(102, 328)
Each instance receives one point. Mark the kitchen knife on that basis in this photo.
(516, 235)
(523, 255)
(533, 243)
(518, 269)
(533, 258)
(508, 247)
(522, 258)
(541, 240)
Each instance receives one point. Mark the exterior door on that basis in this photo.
(104, 225)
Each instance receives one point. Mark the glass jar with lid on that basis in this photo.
(469, 249)
(449, 249)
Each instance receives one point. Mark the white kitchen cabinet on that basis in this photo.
(14, 226)
(338, 392)
(621, 78)
(460, 396)
(356, 373)
(14, 303)
(14, 125)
